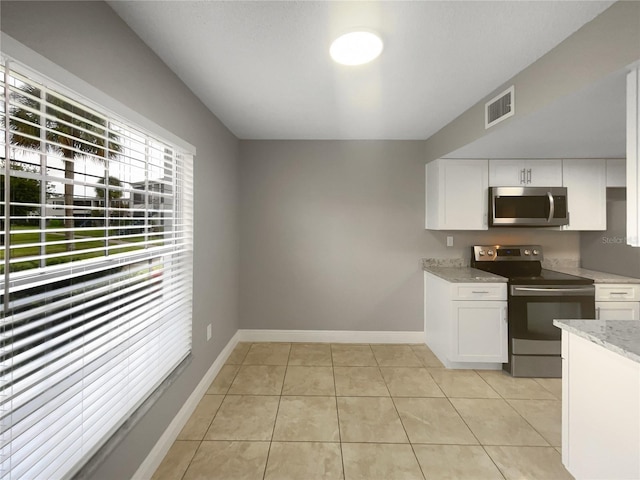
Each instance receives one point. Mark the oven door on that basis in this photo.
(532, 309)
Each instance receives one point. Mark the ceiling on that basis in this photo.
(264, 70)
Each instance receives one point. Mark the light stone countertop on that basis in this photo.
(620, 336)
(597, 277)
(456, 270)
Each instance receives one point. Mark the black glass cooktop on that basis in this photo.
(530, 273)
(547, 277)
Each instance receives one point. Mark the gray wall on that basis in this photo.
(89, 40)
(607, 44)
(608, 251)
(332, 233)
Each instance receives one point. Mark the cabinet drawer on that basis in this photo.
(479, 291)
(607, 292)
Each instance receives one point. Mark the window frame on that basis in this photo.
(13, 50)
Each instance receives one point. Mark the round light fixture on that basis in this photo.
(356, 48)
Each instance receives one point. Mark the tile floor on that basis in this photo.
(372, 412)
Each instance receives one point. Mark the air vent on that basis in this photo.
(499, 108)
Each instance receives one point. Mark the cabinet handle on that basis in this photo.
(504, 314)
(522, 177)
(619, 293)
(529, 176)
(597, 313)
(479, 291)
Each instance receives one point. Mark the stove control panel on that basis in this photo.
(501, 253)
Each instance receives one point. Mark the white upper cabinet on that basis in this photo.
(616, 172)
(586, 182)
(457, 194)
(457, 190)
(633, 157)
(525, 173)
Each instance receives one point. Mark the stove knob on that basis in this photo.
(490, 253)
(528, 252)
(481, 253)
(536, 252)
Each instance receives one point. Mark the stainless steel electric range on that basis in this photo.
(536, 296)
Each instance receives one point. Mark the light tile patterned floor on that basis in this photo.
(280, 411)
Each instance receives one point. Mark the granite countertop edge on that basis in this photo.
(619, 336)
(597, 276)
(457, 272)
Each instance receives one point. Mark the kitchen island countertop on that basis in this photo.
(620, 336)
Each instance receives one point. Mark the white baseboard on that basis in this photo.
(162, 446)
(329, 336)
(471, 365)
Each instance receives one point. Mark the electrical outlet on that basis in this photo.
(449, 240)
(208, 332)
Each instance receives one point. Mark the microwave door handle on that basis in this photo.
(551, 207)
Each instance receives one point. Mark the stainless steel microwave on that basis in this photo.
(528, 206)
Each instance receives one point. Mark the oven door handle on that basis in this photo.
(552, 291)
(552, 207)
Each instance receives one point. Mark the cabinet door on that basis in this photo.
(507, 173)
(617, 310)
(525, 173)
(586, 182)
(479, 331)
(543, 173)
(457, 194)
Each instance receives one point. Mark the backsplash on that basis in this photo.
(607, 251)
(550, 263)
(444, 262)
(560, 263)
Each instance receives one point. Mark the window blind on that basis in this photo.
(95, 274)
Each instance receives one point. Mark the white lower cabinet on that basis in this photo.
(600, 411)
(466, 323)
(479, 331)
(617, 301)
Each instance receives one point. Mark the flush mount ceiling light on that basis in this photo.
(356, 48)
